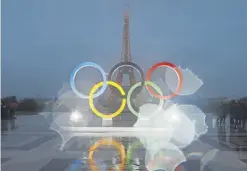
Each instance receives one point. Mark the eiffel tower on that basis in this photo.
(123, 71)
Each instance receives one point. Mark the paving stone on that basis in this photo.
(47, 157)
(57, 165)
(4, 160)
(30, 145)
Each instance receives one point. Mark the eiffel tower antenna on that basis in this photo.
(126, 8)
(126, 51)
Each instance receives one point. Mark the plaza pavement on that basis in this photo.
(30, 145)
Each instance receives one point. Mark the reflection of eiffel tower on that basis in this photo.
(125, 57)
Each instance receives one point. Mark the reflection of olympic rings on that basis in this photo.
(129, 153)
(95, 87)
(106, 141)
(178, 168)
(83, 65)
(178, 72)
(149, 83)
(130, 64)
(153, 162)
(75, 165)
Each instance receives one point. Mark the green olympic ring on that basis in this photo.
(148, 83)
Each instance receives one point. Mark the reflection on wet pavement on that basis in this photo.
(33, 146)
(7, 125)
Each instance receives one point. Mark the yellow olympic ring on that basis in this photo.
(106, 141)
(94, 89)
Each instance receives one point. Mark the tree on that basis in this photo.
(29, 105)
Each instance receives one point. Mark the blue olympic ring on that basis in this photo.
(73, 75)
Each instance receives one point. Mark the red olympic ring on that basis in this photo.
(178, 72)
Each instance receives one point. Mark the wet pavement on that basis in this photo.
(28, 143)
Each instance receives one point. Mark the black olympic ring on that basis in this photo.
(133, 65)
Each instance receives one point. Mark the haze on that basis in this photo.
(43, 40)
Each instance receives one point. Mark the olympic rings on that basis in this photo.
(149, 83)
(130, 64)
(178, 72)
(83, 65)
(106, 141)
(95, 87)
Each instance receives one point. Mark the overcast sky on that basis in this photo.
(43, 40)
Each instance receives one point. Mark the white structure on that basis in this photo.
(107, 122)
